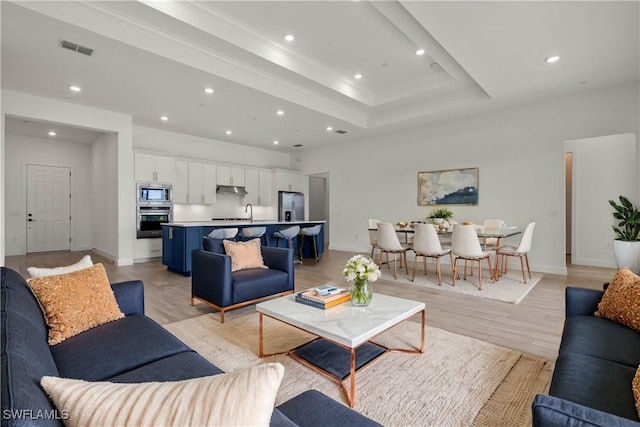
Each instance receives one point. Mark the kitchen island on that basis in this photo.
(180, 239)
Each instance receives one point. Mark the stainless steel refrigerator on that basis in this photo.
(290, 206)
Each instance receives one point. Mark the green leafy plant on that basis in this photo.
(443, 213)
(628, 229)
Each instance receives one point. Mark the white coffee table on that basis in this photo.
(344, 333)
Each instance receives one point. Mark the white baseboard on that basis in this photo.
(110, 256)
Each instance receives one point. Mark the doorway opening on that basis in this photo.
(319, 201)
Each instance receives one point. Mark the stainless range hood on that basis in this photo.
(231, 189)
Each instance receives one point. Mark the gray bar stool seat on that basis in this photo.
(249, 233)
(223, 233)
(310, 232)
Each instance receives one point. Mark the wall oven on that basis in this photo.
(154, 206)
(150, 220)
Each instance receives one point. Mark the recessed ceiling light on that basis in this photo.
(276, 142)
(208, 90)
(358, 76)
(420, 52)
(75, 88)
(164, 118)
(289, 37)
(52, 133)
(329, 128)
(228, 132)
(280, 112)
(552, 59)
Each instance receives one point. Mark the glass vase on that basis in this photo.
(361, 293)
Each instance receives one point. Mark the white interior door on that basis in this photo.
(48, 208)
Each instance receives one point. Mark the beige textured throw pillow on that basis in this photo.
(244, 255)
(635, 385)
(241, 398)
(85, 262)
(621, 300)
(75, 302)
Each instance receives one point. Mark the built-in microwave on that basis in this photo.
(154, 194)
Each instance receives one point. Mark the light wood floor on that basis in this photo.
(534, 326)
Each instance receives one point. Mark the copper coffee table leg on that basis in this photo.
(422, 335)
(352, 379)
(260, 345)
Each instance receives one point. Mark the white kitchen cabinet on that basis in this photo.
(202, 183)
(230, 176)
(181, 182)
(195, 183)
(258, 184)
(152, 168)
(289, 181)
(147, 250)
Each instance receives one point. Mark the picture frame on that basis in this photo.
(449, 187)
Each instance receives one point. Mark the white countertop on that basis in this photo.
(244, 223)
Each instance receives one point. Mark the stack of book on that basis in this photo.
(312, 298)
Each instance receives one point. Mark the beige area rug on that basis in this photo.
(510, 288)
(458, 381)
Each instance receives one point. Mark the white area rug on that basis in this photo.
(510, 288)
(458, 381)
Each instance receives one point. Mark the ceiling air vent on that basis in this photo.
(76, 47)
(298, 145)
(340, 131)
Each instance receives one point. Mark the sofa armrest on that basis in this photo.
(211, 278)
(581, 301)
(550, 411)
(129, 296)
(314, 409)
(280, 259)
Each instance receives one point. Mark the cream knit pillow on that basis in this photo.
(241, 398)
(85, 262)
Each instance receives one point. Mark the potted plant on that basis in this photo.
(440, 215)
(626, 246)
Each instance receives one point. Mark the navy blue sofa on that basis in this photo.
(597, 361)
(213, 283)
(129, 350)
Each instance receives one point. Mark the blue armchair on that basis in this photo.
(213, 283)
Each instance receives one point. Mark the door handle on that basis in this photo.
(30, 220)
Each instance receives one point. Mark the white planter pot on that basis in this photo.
(627, 254)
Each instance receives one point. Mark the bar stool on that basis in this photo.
(288, 234)
(224, 233)
(310, 232)
(249, 233)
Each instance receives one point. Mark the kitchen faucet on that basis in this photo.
(249, 205)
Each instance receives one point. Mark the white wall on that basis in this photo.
(22, 150)
(520, 153)
(104, 200)
(50, 110)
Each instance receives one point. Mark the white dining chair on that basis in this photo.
(426, 244)
(521, 251)
(388, 242)
(465, 245)
(373, 234)
(492, 223)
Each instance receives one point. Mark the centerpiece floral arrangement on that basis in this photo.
(362, 271)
